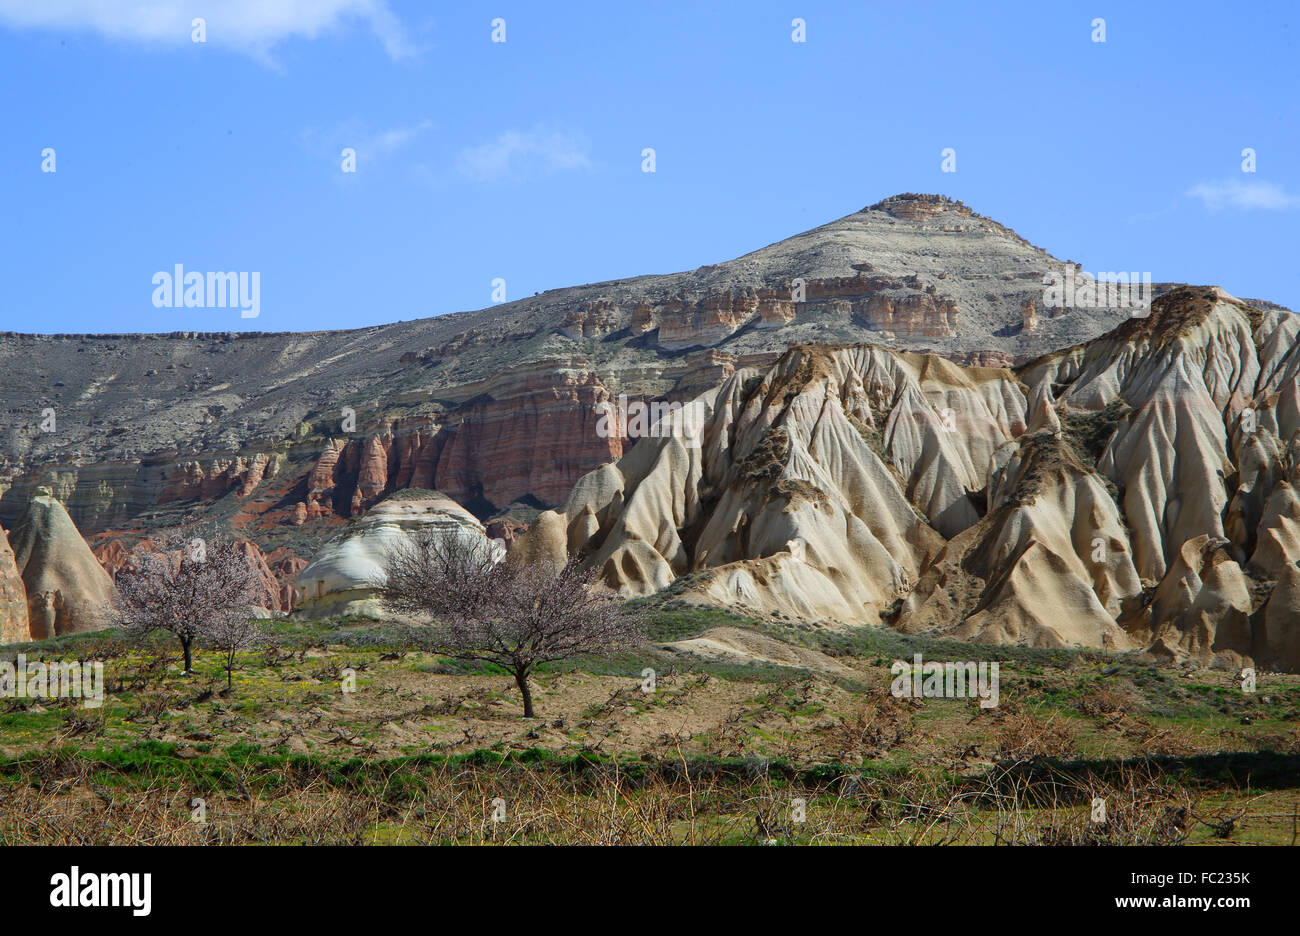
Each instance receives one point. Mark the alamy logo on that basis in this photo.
(58, 680)
(1072, 288)
(181, 290)
(657, 420)
(969, 680)
(75, 889)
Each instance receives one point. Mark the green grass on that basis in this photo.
(1245, 745)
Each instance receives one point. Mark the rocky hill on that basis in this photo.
(1133, 492)
(895, 430)
(285, 435)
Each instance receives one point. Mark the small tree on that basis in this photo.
(510, 613)
(188, 587)
(231, 633)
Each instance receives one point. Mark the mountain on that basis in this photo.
(492, 407)
(894, 429)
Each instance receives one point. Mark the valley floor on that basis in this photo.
(431, 750)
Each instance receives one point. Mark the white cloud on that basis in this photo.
(1143, 217)
(250, 26)
(372, 146)
(517, 154)
(388, 141)
(1244, 195)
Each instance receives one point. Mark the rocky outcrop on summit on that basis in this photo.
(342, 577)
(67, 589)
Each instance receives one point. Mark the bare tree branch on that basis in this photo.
(509, 613)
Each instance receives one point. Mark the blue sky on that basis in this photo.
(522, 160)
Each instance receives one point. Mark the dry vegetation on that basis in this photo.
(715, 754)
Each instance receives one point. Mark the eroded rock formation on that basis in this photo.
(67, 589)
(797, 499)
(1140, 495)
(13, 597)
(342, 577)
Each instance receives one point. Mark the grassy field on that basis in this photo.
(428, 749)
